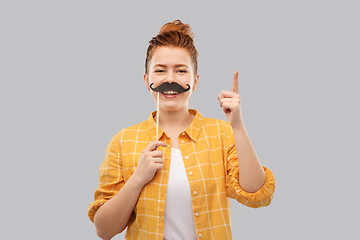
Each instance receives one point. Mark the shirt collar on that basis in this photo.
(192, 131)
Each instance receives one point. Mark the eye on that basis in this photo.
(159, 70)
(182, 71)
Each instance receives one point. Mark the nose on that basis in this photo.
(170, 76)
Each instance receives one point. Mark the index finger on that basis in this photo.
(153, 145)
(235, 87)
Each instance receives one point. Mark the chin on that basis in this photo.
(172, 107)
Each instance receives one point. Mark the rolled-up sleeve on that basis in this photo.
(260, 198)
(110, 177)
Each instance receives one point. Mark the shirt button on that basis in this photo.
(195, 192)
(197, 214)
(190, 173)
(182, 141)
(200, 235)
(186, 157)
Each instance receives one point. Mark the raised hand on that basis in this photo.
(230, 103)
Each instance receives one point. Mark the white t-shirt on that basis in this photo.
(179, 220)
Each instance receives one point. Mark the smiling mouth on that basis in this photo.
(170, 93)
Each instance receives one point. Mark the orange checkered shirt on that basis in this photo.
(211, 165)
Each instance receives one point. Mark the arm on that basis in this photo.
(115, 200)
(251, 172)
(112, 217)
(261, 195)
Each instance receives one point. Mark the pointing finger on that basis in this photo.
(235, 87)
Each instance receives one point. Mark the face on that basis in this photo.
(171, 64)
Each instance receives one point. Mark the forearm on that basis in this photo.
(251, 172)
(111, 218)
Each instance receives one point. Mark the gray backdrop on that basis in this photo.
(72, 77)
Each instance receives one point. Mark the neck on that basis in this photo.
(177, 120)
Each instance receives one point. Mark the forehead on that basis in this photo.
(170, 56)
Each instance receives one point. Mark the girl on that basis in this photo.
(176, 184)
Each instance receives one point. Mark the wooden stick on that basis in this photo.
(157, 116)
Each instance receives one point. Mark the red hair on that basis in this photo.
(173, 34)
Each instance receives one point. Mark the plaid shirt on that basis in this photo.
(211, 165)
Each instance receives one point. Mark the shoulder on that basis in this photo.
(131, 132)
(211, 124)
(218, 124)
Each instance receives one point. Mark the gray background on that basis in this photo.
(72, 77)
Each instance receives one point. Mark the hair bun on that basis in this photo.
(177, 25)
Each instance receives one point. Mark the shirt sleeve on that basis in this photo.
(260, 198)
(110, 178)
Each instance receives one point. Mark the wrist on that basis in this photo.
(237, 123)
(136, 180)
(239, 129)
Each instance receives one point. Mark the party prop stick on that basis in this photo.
(157, 116)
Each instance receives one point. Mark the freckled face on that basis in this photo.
(171, 64)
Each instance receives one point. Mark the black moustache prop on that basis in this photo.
(175, 87)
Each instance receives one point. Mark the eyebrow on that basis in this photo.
(177, 65)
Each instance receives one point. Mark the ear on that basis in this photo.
(196, 80)
(146, 80)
